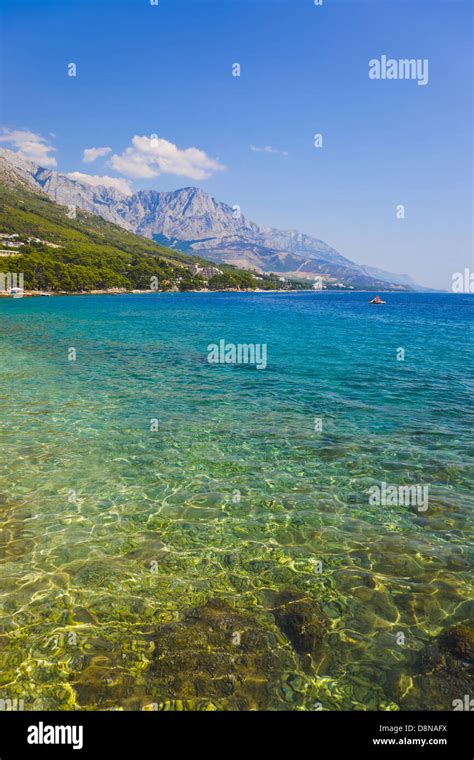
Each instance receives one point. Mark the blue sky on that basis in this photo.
(166, 70)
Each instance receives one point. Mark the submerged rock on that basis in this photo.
(178, 705)
(219, 655)
(441, 673)
(102, 686)
(458, 642)
(302, 622)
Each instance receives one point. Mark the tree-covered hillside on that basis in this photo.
(87, 253)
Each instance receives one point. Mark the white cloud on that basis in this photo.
(149, 157)
(93, 179)
(268, 149)
(30, 145)
(90, 154)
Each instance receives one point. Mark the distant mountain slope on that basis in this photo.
(398, 279)
(191, 221)
(26, 209)
(58, 253)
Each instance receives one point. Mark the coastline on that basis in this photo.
(122, 291)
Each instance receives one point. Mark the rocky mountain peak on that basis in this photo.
(192, 220)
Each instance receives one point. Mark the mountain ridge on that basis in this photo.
(57, 251)
(192, 221)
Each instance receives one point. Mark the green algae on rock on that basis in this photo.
(217, 654)
(179, 705)
(442, 672)
(458, 641)
(302, 622)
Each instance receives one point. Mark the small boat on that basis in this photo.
(377, 300)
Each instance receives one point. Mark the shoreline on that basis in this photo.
(120, 292)
(45, 294)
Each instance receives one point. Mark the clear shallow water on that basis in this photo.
(155, 529)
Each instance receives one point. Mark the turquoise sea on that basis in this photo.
(116, 532)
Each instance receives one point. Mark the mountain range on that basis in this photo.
(51, 248)
(189, 220)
